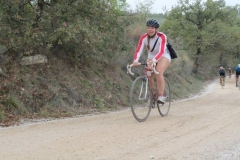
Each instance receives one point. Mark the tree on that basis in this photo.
(80, 30)
(195, 23)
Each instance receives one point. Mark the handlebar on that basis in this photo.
(144, 63)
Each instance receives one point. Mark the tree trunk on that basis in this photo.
(196, 63)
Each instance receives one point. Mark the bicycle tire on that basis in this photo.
(140, 107)
(165, 108)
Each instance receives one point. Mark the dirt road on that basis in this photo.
(204, 127)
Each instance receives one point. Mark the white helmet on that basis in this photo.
(239, 65)
(221, 67)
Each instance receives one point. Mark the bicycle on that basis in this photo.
(143, 99)
(222, 81)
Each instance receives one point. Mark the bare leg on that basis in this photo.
(162, 65)
(236, 79)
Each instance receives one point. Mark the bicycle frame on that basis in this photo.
(146, 78)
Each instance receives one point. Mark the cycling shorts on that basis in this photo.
(222, 74)
(237, 74)
(167, 55)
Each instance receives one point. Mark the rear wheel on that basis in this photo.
(140, 99)
(164, 108)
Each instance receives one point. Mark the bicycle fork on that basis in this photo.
(143, 91)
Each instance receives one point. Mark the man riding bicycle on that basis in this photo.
(222, 75)
(158, 54)
(237, 73)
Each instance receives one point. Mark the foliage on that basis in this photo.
(85, 31)
(98, 102)
(204, 27)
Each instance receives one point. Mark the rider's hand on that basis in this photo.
(135, 63)
(149, 64)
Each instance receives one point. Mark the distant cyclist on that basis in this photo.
(222, 74)
(237, 73)
(229, 72)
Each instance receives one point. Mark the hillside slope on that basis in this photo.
(58, 89)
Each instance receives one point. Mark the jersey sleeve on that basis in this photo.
(162, 47)
(140, 48)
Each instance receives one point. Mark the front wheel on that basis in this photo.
(164, 108)
(140, 99)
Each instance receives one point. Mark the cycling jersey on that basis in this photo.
(237, 69)
(159, 50)
(221, 72)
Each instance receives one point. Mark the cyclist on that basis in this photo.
(229, 72)
(237, 73)
(222, 74)
(158, 54)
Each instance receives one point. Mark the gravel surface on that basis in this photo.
(204, 127)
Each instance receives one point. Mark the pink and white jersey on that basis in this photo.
(159, 49)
